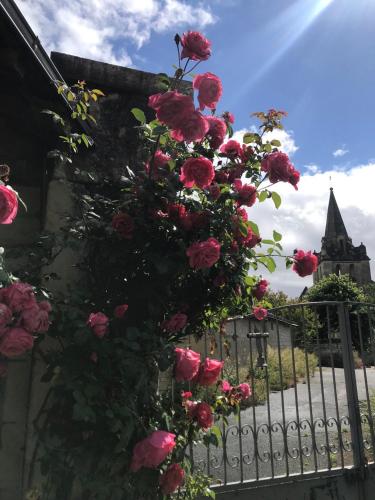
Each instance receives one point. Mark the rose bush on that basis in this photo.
(170, 249)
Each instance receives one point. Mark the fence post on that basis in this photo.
(351, 387)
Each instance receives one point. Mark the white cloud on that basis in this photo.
(312, 168)
(340, 152)
(301, 217)
(286, 138)
(102, 30)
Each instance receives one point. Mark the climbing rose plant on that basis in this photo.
(169, 253)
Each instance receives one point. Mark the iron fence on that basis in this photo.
(311, 369)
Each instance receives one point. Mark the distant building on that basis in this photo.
(338, 254)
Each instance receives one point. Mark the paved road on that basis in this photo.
(298, 440)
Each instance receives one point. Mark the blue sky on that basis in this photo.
(312, 58)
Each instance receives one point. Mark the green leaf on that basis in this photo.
(97, 92)
(268, 242)
(277, 236)
(262, 196)
(267, 147)
(139, 115)
(276, 199)
(276, 143)
(268, 262)
(249, 138)
(254, 227)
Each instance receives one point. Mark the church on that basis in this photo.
(338, 255)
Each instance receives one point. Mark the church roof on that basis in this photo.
(335, 225)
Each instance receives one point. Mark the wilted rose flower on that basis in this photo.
(260, 313)
(94, 357)
(192, 128)
(19, 296)
(278, 167)
(209, 372)
(119, 311)
(153, 450)
(217, 131)
(305, 263)
(231, 149)
(15, 341)
(203, 254)
(98, 322)
(194, 220)
(175, 323)
(294, 178)
(8, 205)
(221, 177)
(209, 90)
(247, 194)
(172, 479)
(171, 107)
(195, 46)
(197, 172)
(202, 414)
(187, 364)
(214, 191)
(123, 224)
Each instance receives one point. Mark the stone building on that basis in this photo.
(338, 255)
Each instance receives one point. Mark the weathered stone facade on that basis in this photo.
(338, 254)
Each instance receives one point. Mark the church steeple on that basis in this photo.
(335, 225)
(338, 254)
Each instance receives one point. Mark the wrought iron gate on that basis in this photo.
(311, 368)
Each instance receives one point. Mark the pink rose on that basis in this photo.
(3, 369)
(45, 306)
(202, 414)
(260, 289)
(217, 131)
(8, 205)
(187, 364)
(244, 390)
(123, 224)
(225, 386)
(260, 313)
(192, 128)
(231, 149)
(171, 108)
(16, 341)
(228, 116)
(197, 172)
(99, 323)
(160, 160)
(252, 240)
(209, 90)
(153, 450)
(175, 323)
(119, 311)
(19, 296)
(203, 254)
(278, 167)
(34, 319)
(5, 315)
(305, 263)
(195, 46)
(209, 372)
(186, 394)
(172, 479)
(247, 194)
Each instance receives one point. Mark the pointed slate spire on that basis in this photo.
(335, 225)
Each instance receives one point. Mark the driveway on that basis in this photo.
(286, 444)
